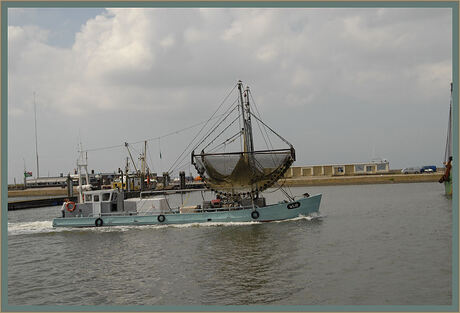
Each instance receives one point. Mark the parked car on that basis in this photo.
(428, 169)
(411, 170)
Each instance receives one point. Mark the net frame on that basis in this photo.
(240, 173)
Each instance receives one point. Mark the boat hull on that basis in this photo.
(448, 187)
(274, 212)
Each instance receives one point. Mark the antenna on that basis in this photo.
(82, 162)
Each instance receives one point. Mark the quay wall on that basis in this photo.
(36, 192)
(297, 181)
(365, 179)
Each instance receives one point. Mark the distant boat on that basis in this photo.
(447, 177)
(233, 169)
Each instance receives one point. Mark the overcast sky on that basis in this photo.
(342, 85)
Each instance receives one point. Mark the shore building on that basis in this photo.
(353, 169)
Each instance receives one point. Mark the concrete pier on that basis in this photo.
(39, 192)
(364, 179)
(37, 203)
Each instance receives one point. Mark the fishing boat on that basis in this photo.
(230, 161)
(447, 177)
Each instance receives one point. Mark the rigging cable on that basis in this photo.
(104, 148)
(257, 110)
(237, 118)
(177, 131)
(151, 160)
(217, 124)
(280, 187)
(228, 141)
(225, 99)
(260, 116)
(287, 142)
(152, 139)
(241, 129)
(266, 144)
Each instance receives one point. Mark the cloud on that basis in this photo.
(344, 71)
(138, 50)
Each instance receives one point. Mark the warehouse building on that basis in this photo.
(381, 167)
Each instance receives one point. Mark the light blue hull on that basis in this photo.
(448, 187)
(274, 212)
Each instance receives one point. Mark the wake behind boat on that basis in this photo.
(232, 163)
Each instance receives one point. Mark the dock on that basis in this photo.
(37, 203)
(362, 179)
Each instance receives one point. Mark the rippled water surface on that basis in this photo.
(374, 245)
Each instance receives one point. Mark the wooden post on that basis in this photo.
(69, 186)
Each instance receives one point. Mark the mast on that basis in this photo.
(36, 141)
(128, 188)
(25, 177)
(143, 158)
(134, 164)
(82, 162)
(240, 89)
(248, 122)
(448, 151)
(246, 115)
(247, 131)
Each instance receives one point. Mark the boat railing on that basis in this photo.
(201, 210)
(223, 209)
(115, 214)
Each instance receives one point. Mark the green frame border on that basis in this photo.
(5, 5)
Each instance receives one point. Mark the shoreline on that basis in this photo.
(362, 179)
(37, 192)
(290, 182)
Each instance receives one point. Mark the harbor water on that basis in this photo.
(388, 244)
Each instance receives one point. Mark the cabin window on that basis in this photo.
(114, 197)
(88, 198)
(105, 196)
(96, 198)
(359, 168)
(381, 167)
(369, 168)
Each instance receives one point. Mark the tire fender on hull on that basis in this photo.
(99, 222)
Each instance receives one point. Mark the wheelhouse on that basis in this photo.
(100, 196)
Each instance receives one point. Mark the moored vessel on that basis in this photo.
(447, 177)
